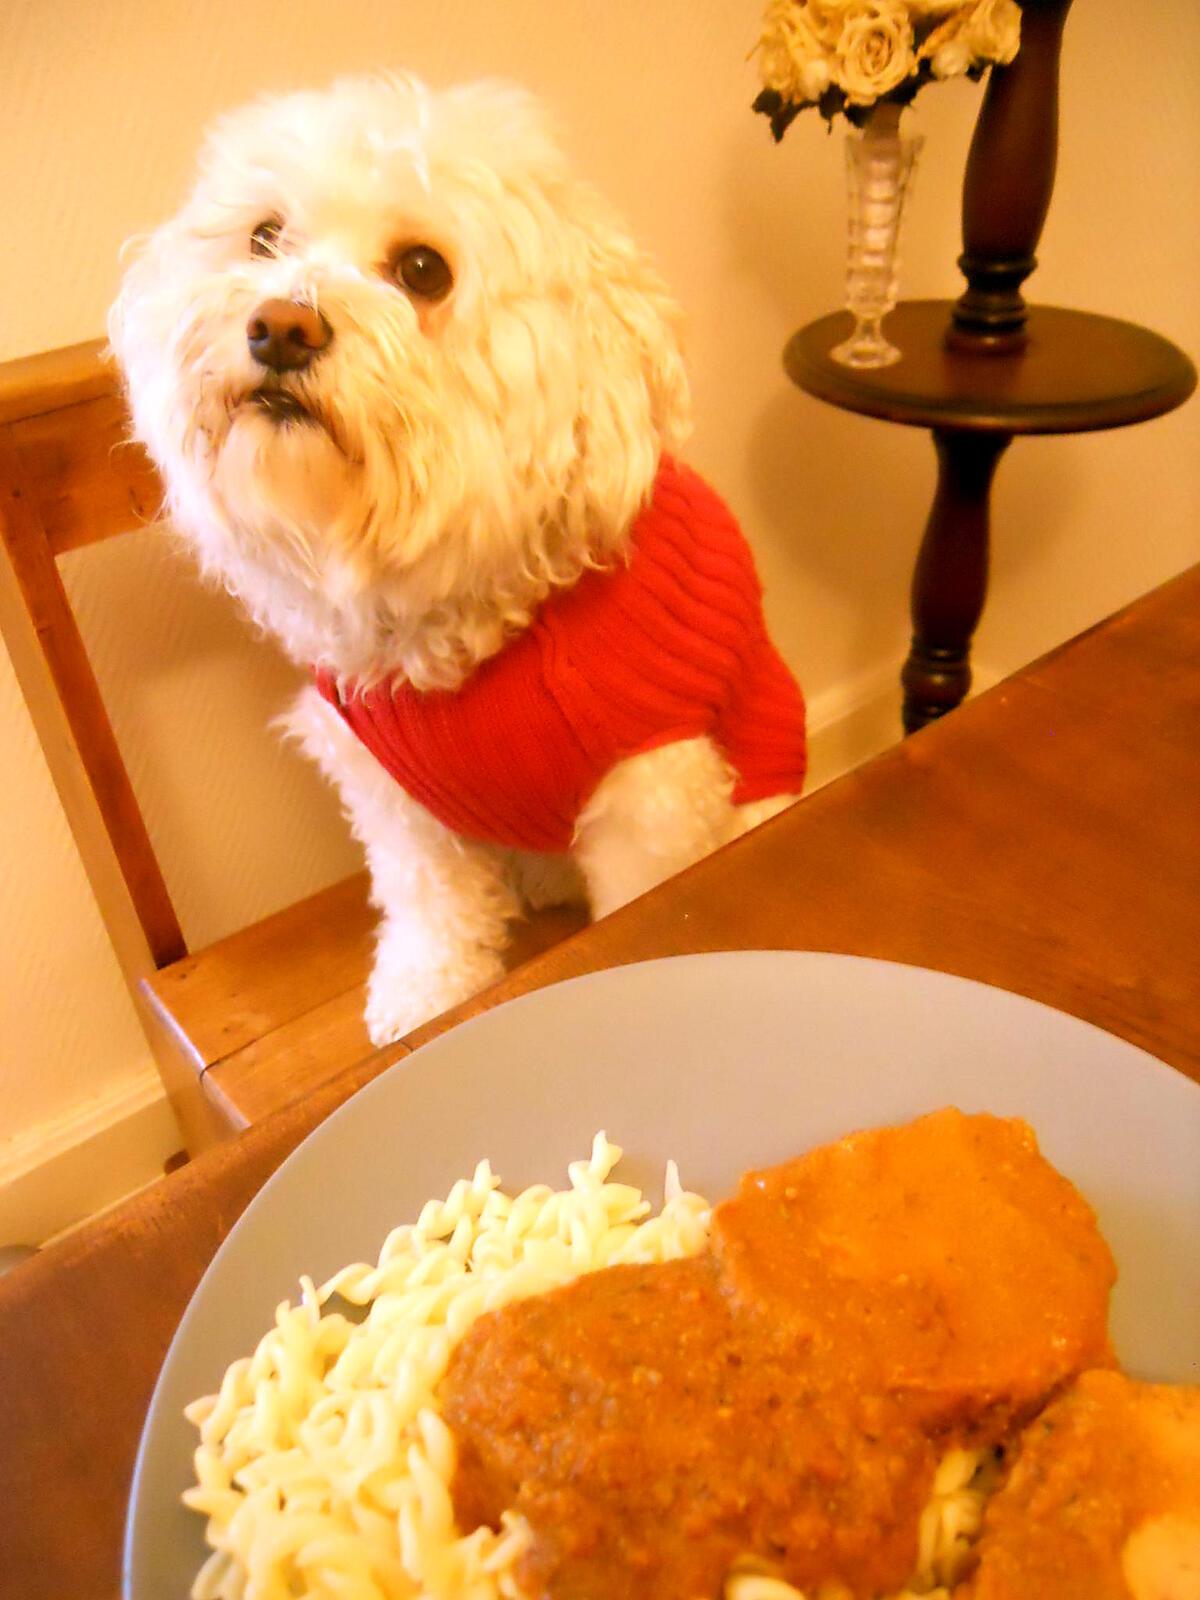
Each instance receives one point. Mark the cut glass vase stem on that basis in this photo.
(880, 160)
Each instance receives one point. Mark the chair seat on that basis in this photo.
(268, 1014)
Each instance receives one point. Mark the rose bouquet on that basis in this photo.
(848, 56)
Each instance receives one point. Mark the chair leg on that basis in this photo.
(950, 580)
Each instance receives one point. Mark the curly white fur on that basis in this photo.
(463, 457)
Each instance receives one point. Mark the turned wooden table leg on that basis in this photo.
(950, 580)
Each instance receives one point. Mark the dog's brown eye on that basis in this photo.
(422, 271)
(264, 241)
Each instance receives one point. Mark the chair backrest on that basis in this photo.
(70, 477)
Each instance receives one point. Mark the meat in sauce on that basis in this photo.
(945, 1261)
(1104, 1500)
(787, 1394)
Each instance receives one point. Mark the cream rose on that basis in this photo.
(815, 78)
(952, 59)
(827, 18)
(994, 31)
(947, 49)
(791, 57)
(875, 50)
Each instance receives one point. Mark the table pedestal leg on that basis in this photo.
(950, 580)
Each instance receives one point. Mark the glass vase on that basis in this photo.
(880, 161)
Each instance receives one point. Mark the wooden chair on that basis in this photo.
(265, 1015)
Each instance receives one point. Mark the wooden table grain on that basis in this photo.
(1045, 838)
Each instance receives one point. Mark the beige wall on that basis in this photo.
(103, 104)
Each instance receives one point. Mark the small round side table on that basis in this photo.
(979, 370)
(1074, 373)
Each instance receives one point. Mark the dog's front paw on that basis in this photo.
(405, 992)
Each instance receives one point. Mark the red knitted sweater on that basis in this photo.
(669, 646)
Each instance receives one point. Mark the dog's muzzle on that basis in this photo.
(285, 336)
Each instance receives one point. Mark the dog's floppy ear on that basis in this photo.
(634, 392)
(585, 340)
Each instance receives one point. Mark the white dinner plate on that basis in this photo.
(723, 1062)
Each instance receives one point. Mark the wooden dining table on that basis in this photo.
(1044, 838)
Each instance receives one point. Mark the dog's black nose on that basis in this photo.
(285, 335)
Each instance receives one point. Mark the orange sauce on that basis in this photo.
(1104, 1500)
(787, 1394)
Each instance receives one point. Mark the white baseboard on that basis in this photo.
(850, 723)
(854, 721)
(983, 678)
(55, 1175)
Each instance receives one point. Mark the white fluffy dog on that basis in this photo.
(415, 394)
